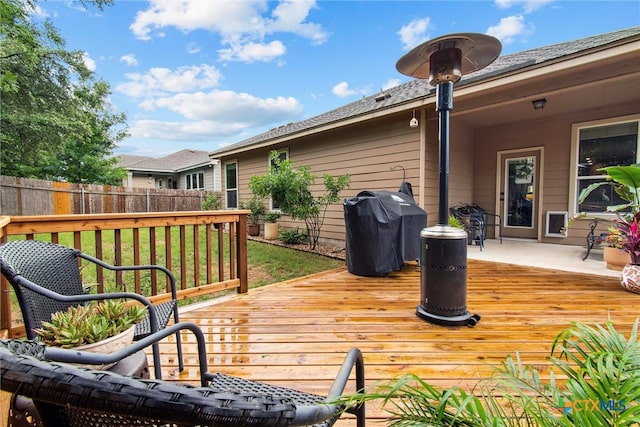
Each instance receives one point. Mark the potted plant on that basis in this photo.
(629, 228)
(626, 234)
(271, 226)
(256, 211)
(101, 327)
(614, 254)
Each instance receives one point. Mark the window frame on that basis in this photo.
(227, 190)
(197, 177)
(575, 152)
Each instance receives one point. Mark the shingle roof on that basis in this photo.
(415, 89)
(175, 162)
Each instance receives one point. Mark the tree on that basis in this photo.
(55, 121)
(291, 189)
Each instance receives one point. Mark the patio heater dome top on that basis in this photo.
(448, 57)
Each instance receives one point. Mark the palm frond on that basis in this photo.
(600, 385)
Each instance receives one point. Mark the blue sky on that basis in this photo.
(203, 74)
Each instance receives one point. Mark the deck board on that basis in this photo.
(296, 333)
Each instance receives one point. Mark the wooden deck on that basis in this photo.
(295, 333)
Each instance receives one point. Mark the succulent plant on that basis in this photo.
(90, 323)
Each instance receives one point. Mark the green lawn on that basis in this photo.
(271, 264)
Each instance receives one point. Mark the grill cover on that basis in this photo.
(382, 231)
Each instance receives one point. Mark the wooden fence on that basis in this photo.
(24, 196)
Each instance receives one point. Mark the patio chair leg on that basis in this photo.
(178, 341)
(157, 367)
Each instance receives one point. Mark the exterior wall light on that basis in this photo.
(538, 104)
(413, 123)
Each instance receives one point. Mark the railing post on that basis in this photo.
(242, 253)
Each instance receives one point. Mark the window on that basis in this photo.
(614, 144)
(195, 181)
(282, 155)
(231, 184)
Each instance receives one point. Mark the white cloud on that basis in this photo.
(290, 17)
(414, 33)
(161, 81)
(231, 107)
(509, 28)
(391, 83)
(88, 62)
(214, 115)
(244, 25)
(251, 52)
(528, 6)
(129, 59)
(342, 90)
(193, 48)
(182, 131)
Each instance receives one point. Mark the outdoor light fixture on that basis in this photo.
(443, 260)
(413, 122)
(538, 104)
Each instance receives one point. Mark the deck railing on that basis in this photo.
(206, 251)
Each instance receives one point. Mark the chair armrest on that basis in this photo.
(164, 270)
(84, 357)
(353, 360)
(91, 392)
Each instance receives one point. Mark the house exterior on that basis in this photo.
(185, 170)
(527, 164)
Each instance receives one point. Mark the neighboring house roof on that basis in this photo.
(419, 88)
(173, 163)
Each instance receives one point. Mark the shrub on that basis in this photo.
(291, 236)
(211, 203)
(291, 188)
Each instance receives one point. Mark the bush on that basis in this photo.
(211, 203)
(292, 236)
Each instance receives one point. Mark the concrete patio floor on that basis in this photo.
(531, 253)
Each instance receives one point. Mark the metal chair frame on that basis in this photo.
(64, 394)
(46, 278)
(476, 221)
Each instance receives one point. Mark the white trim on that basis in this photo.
(226, 189)
(573, 166)
(539, 150)
(565, 215)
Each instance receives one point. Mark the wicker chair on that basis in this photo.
(64, 395)
(46, 278)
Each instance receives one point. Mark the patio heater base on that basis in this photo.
(443, 277)
(467, 319)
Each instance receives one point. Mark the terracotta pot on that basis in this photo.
(616, 259)
(109, 345)
(271, 230)
(630, 278)
(253, 229)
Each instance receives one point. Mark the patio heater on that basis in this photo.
(443, 257)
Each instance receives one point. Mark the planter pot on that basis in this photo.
(616, 259)
(109, 345)
(253, 229)
(630, 278)
(271, 230)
